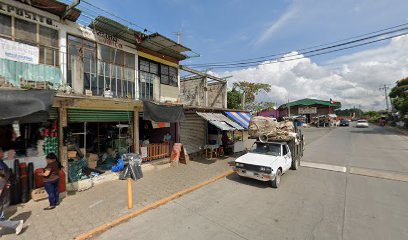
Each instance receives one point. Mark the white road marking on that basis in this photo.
(324, 166)
(379, 174)
(95, 203)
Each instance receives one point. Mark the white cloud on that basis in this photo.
(355, 82)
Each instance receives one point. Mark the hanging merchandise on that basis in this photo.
(51, 139)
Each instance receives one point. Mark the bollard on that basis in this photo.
(130, 195)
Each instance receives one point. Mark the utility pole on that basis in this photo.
(243, 101)
(385, 88)
(178, 36)
(288, 107)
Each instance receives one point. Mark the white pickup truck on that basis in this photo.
(267, 161)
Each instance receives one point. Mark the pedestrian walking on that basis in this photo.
(51, 180)
(17, 226)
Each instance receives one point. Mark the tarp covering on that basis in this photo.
(220, 121)
(25, 106)
(242, 118)
(260, 127)
(162, 113)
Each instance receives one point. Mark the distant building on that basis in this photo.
(308, 107)
(274, 113)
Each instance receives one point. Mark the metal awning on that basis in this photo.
(111, 27)
(161, 44)
(242, 118)
(220, 121)
(56, 7)
(154, 42)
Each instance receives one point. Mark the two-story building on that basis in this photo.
(100, 74)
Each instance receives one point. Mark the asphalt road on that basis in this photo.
(311, 203)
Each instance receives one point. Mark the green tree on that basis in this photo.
(399, 96)
(234, 99)
(256, 107)
(250, 90)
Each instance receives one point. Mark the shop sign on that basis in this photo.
(15, 11)
(160, 124)
(109, 40)
(19, 52)
(307, 110)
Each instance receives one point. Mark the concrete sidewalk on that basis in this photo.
(83, 211)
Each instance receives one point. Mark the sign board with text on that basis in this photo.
(307, 110)
(19, 52)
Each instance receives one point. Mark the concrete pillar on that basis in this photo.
(62, 149)
(136, 130)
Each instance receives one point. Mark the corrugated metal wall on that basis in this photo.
(193, 132)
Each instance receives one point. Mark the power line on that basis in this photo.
(303, 49)
(307, 52)
(278, 60)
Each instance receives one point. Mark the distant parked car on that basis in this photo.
(344, 122)
(362, 123)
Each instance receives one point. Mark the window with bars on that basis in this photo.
(117, 68)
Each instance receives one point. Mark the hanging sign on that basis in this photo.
(19, 52)
(307, 110)
(160, 124)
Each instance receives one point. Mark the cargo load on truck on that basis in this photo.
(266, 129)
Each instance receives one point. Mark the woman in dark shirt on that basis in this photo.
(51, 179)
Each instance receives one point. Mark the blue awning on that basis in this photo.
(242, 118)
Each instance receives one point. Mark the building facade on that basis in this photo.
(310, 108)
(100, 73)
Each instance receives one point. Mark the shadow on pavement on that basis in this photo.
(22, 216)
(374, 131)
(248, 181)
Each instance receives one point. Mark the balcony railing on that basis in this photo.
(26, 75)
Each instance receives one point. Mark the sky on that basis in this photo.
(230, 30)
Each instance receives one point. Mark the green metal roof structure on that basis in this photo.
(309, 102)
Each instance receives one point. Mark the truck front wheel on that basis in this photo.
(295, 164)
(275, 183)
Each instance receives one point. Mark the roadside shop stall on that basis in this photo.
(28, 132)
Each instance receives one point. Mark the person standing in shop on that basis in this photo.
(51, 179)
(17, 226)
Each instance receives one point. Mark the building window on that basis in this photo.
(82, 64)
(117, 67)
(169, 75)
(5, 25)
(149, 71)
(29, 33)
(26, 32)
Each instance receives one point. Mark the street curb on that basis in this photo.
(107, 226)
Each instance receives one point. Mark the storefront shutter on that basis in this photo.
(92, 115)
(193, 132)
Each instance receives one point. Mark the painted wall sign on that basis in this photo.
(12, 10)
(307, 110)
(19, 52)
(110, 40)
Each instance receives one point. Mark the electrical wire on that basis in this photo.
(279, 60)
(300, 50)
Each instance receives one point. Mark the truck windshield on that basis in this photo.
(266, 149)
